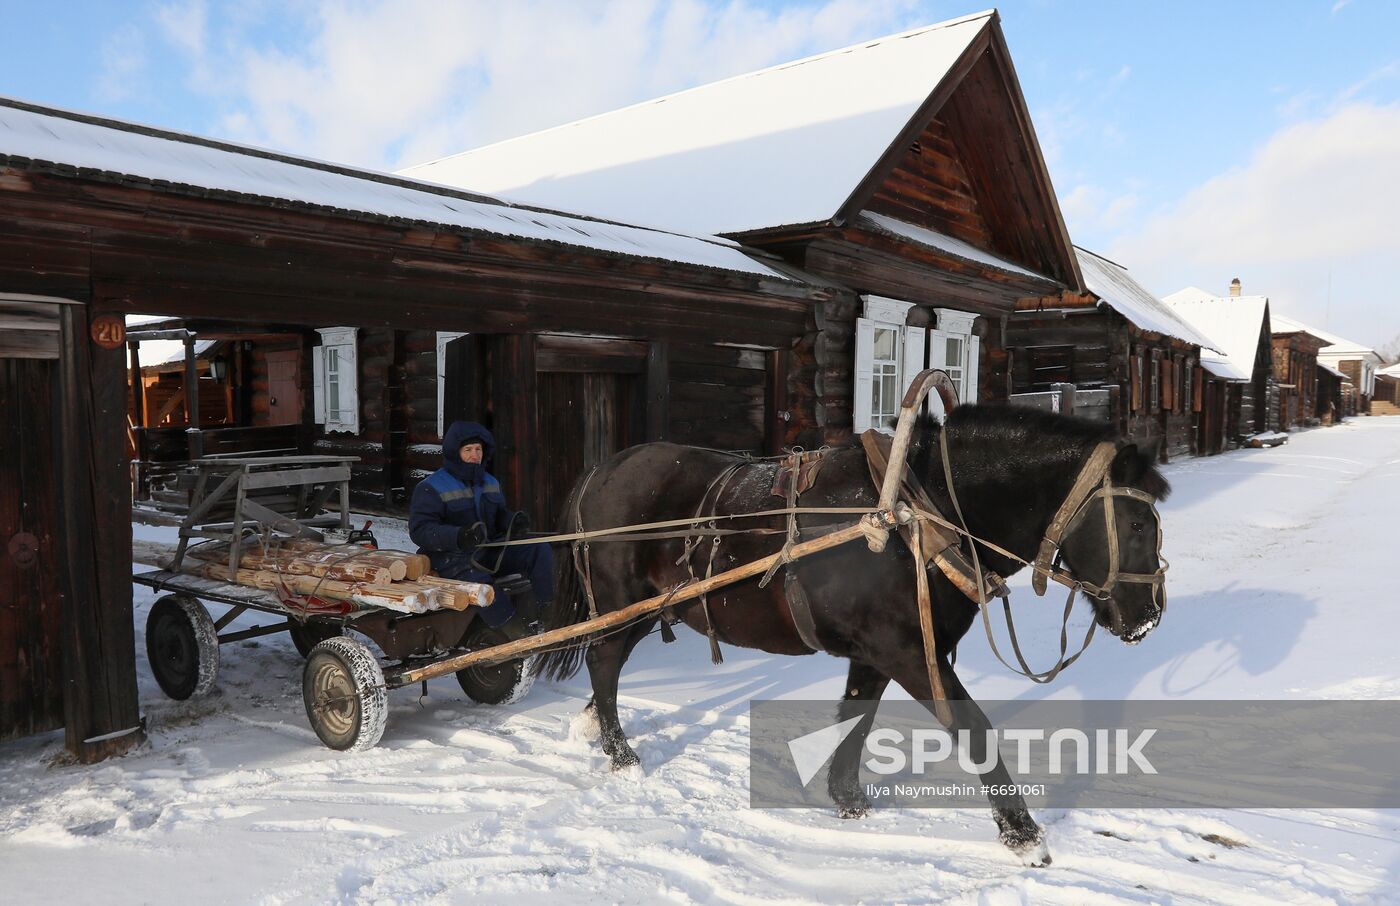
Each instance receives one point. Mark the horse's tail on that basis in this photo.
(569, 606)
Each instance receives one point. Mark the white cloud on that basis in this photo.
(1313, 208)
(123, 59)
(1090, 210)
(183, 26)
(394, 82)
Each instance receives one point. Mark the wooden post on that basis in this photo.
(138, 387)
(193, 436)
(101, 713)
(776, 401)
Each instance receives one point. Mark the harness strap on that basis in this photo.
(981, 599)
(793, 490)
(1090, 475)
(800, 606)
(583, 563)
(595, 534)
(720, 481)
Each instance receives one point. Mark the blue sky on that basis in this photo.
(1193, 142)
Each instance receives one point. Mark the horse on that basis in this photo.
(1012, 468)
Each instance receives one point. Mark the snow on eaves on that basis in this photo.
(1116, 288)
(104, 148)
(946, 244)
(782, 146)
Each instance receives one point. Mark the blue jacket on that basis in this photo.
(458, 494)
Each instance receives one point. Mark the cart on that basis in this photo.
(345, 685)
(183, 641)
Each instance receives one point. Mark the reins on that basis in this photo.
(1092, 483)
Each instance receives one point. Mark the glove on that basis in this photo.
(469, 537)
(519, 524)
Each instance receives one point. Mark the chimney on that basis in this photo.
(1235, 288)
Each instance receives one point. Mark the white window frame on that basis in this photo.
(443, 338)
(955, 325)
(339, 348)
(884, 314)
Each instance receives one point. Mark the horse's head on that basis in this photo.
(1115, 541)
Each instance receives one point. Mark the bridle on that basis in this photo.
(1094, 482)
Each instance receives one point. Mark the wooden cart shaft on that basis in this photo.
(869, 527)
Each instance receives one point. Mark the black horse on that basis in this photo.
(1012, 468)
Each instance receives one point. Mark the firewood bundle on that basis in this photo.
(393, 580)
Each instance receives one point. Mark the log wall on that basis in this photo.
(930, 187)
(1154, 376)
(718, 397)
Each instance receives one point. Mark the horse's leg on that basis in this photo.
(1018, 830)
(864, 686)
(605, 659)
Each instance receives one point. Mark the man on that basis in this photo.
(460, 506)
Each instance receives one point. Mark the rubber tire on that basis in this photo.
(347, 672)
(182, 646)
(501, 684)
(308, 635)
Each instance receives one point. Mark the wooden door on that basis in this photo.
(284, 387)
(583, 419)
(31, 641)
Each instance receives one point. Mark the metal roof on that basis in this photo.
(782, 146)
(100, 148)
(1116, 289)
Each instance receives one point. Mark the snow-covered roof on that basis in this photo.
(944, 243)
(1116, 289)
(1336, 349)
(1232, 324)
(1391, 370)
(103, 146)
(782, 146)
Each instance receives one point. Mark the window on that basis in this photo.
(889, 355)
(954, 348)
(1154, 381)
(443, 338)
(337, 380)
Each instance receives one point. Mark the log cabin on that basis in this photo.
(1240, 398)
(1119, 346)
(104, 219)
(1358, 363)
(1295, 352)
(1386, 400)
(905, 169)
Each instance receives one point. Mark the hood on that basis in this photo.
(457, 434)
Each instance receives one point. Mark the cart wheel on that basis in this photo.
(500, 684)
(182, 646)
(310, 634)
(343, 689)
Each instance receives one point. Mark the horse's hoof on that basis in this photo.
(1028, 843)
(853, 811)
(625, 761)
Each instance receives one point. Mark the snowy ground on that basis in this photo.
(1282, 586)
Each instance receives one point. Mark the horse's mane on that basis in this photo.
(1046, 435)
